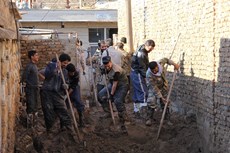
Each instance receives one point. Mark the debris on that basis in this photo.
(101, 135)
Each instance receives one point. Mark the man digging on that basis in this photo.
(118, 87)
(157, 86)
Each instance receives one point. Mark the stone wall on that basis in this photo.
(200, 30)
(9, 76)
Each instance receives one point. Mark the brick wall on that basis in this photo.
(45, 48)
(203, 85)
(9, 77)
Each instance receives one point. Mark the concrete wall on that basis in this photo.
(80, 28)
(9, 76)
(203, 86)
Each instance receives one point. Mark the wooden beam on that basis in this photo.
(129, 25)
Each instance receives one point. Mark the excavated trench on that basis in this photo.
(100, 135)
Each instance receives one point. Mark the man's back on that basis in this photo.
(116, 55)
(140, 60)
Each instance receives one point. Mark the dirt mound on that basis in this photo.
(180, 135)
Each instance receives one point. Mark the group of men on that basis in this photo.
(148, 82)
(59, 78)
(115, 71)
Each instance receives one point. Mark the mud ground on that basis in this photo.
(100, 135)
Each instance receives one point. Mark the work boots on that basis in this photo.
(123, 119)
(105, 106)
(149, 118)
(143, 112)
(81, 119)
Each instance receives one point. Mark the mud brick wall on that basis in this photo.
(10, 66)
(201, 30)
(9, 76)
(46, 48)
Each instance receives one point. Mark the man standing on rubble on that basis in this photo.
(157, 86)
(30, 77)
(139, 65)
(53, 93)
(117, 86)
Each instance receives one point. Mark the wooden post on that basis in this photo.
(129, 26)
(80, 4)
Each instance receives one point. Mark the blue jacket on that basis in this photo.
(140, 61)
(53, 80)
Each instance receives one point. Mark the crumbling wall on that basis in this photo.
(9, 76)
(201, 30)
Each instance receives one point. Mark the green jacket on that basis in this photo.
(157, 83)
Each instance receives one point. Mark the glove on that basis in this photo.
(83, 72)
(111, 98)
(65, 86)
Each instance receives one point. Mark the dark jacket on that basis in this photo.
(140, 61)
(30, 75)
(73, 80)
(53, 79)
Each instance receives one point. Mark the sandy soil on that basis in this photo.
(180, 135)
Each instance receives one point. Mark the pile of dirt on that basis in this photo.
(180, 135)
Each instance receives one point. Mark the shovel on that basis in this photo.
(70, 105)
(166, 105)
(110, 103)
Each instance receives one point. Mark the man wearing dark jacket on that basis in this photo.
(53, 93)
(74, 91)
(139, 65)
(30, 77)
